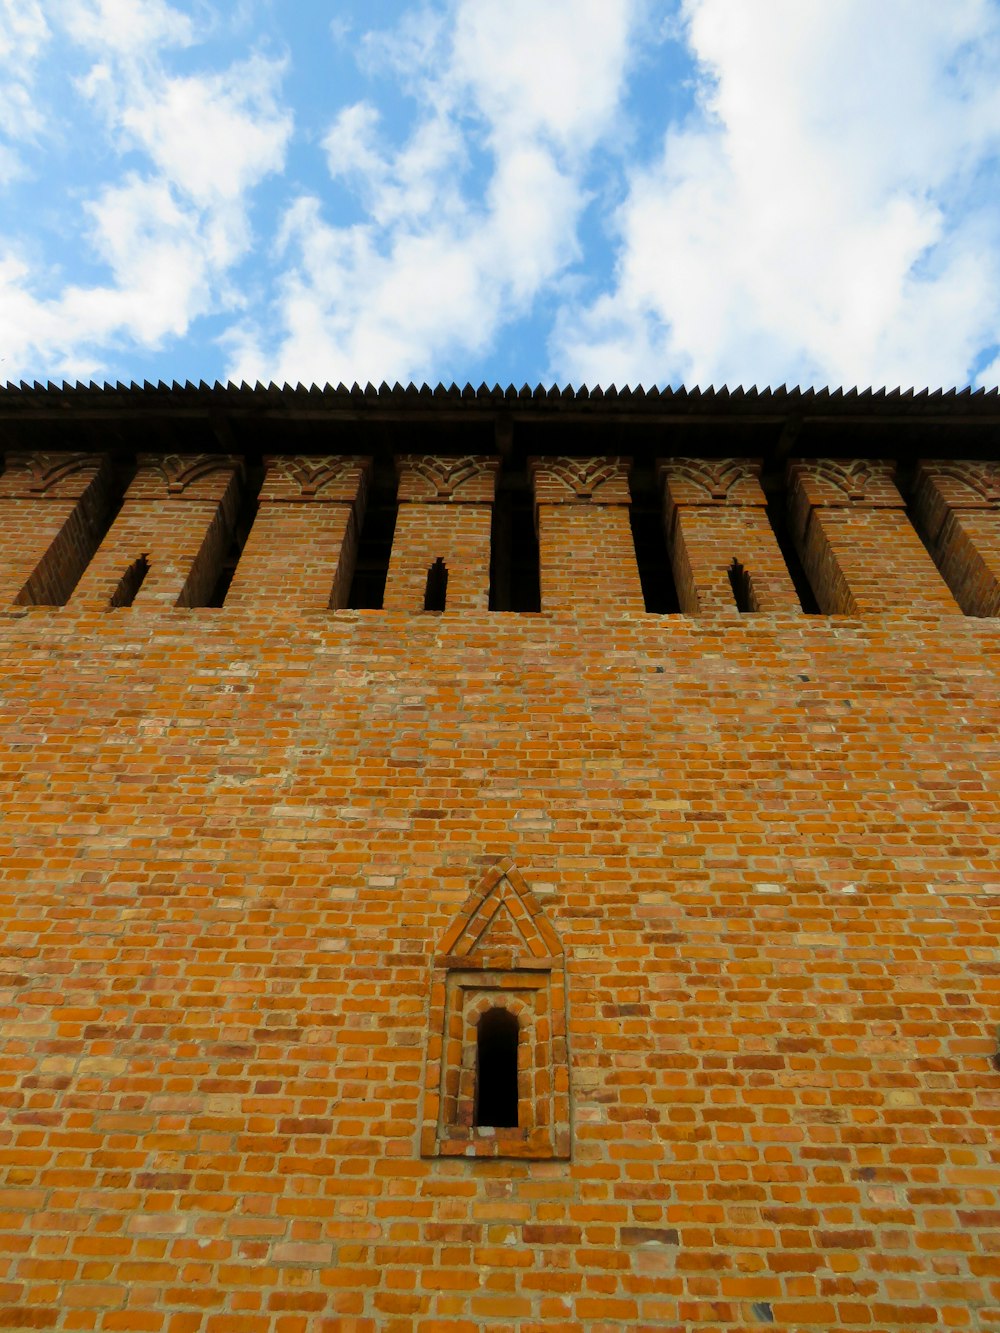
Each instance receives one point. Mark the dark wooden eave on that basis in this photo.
(643, 423)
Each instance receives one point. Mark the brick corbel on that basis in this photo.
(429, 479)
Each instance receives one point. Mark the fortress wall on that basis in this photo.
(238, 849)
(230, 850)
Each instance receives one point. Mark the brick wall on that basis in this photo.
(957, 507)
(263, 867)
(859, 549)
(303, 543)
(176, 518)
(723, 549)
(445, 514)
(586, 553)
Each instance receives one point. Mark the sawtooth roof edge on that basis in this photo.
(495, 393)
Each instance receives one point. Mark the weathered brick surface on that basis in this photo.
(717, 524)
(301, 549)
(177, 514)
(52, 510)
(587, 555)
(240, 845)
(957, 506)
(445, 513)
(859, 549)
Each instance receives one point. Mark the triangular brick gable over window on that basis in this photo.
(499, 954)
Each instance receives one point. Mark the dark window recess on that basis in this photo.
(659, 592)
(496, 1070)
(778, 519)
(436, 591)
(375, 542)
(217, 597)
(514, 584)
(245, 516)
(130, 582)
(742, 587)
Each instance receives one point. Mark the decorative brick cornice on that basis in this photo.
(308, 477)
(963, 485)
(723, 481)
(837, 483)
(601, 481)
(429, 479)
(184, 476)
(55, 476)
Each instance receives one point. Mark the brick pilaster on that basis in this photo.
(957, 507)
(720, 539)
(586, 550)
(446, 514)
(53, 508)
(178, 515)
(858, 548)
(302, 547)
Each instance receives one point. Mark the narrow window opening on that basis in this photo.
(496, 1070)
(241, 531)
(436, 590)
(777, 516)
(130, 582)
(375, 540)
(659, 593)
(514, 583)
(742, 587)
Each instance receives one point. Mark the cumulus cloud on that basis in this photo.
(822, 216)
(170, 232)
(438, 264)
(134, 28)
(23, 36)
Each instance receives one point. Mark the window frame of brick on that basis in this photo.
(478, 969)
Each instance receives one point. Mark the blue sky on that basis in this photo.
(570, 191)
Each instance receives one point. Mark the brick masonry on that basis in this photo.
(445, 513)
(259, 864)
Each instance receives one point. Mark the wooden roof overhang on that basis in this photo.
(773, 424)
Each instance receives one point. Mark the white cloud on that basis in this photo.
(212, 136)
(161, 259)
(23, 36)
(169, 234)
(819, 218)
(437, 265)
(130, 28)
(552, 70)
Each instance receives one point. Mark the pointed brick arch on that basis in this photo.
(500, 951)
(501, 914)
